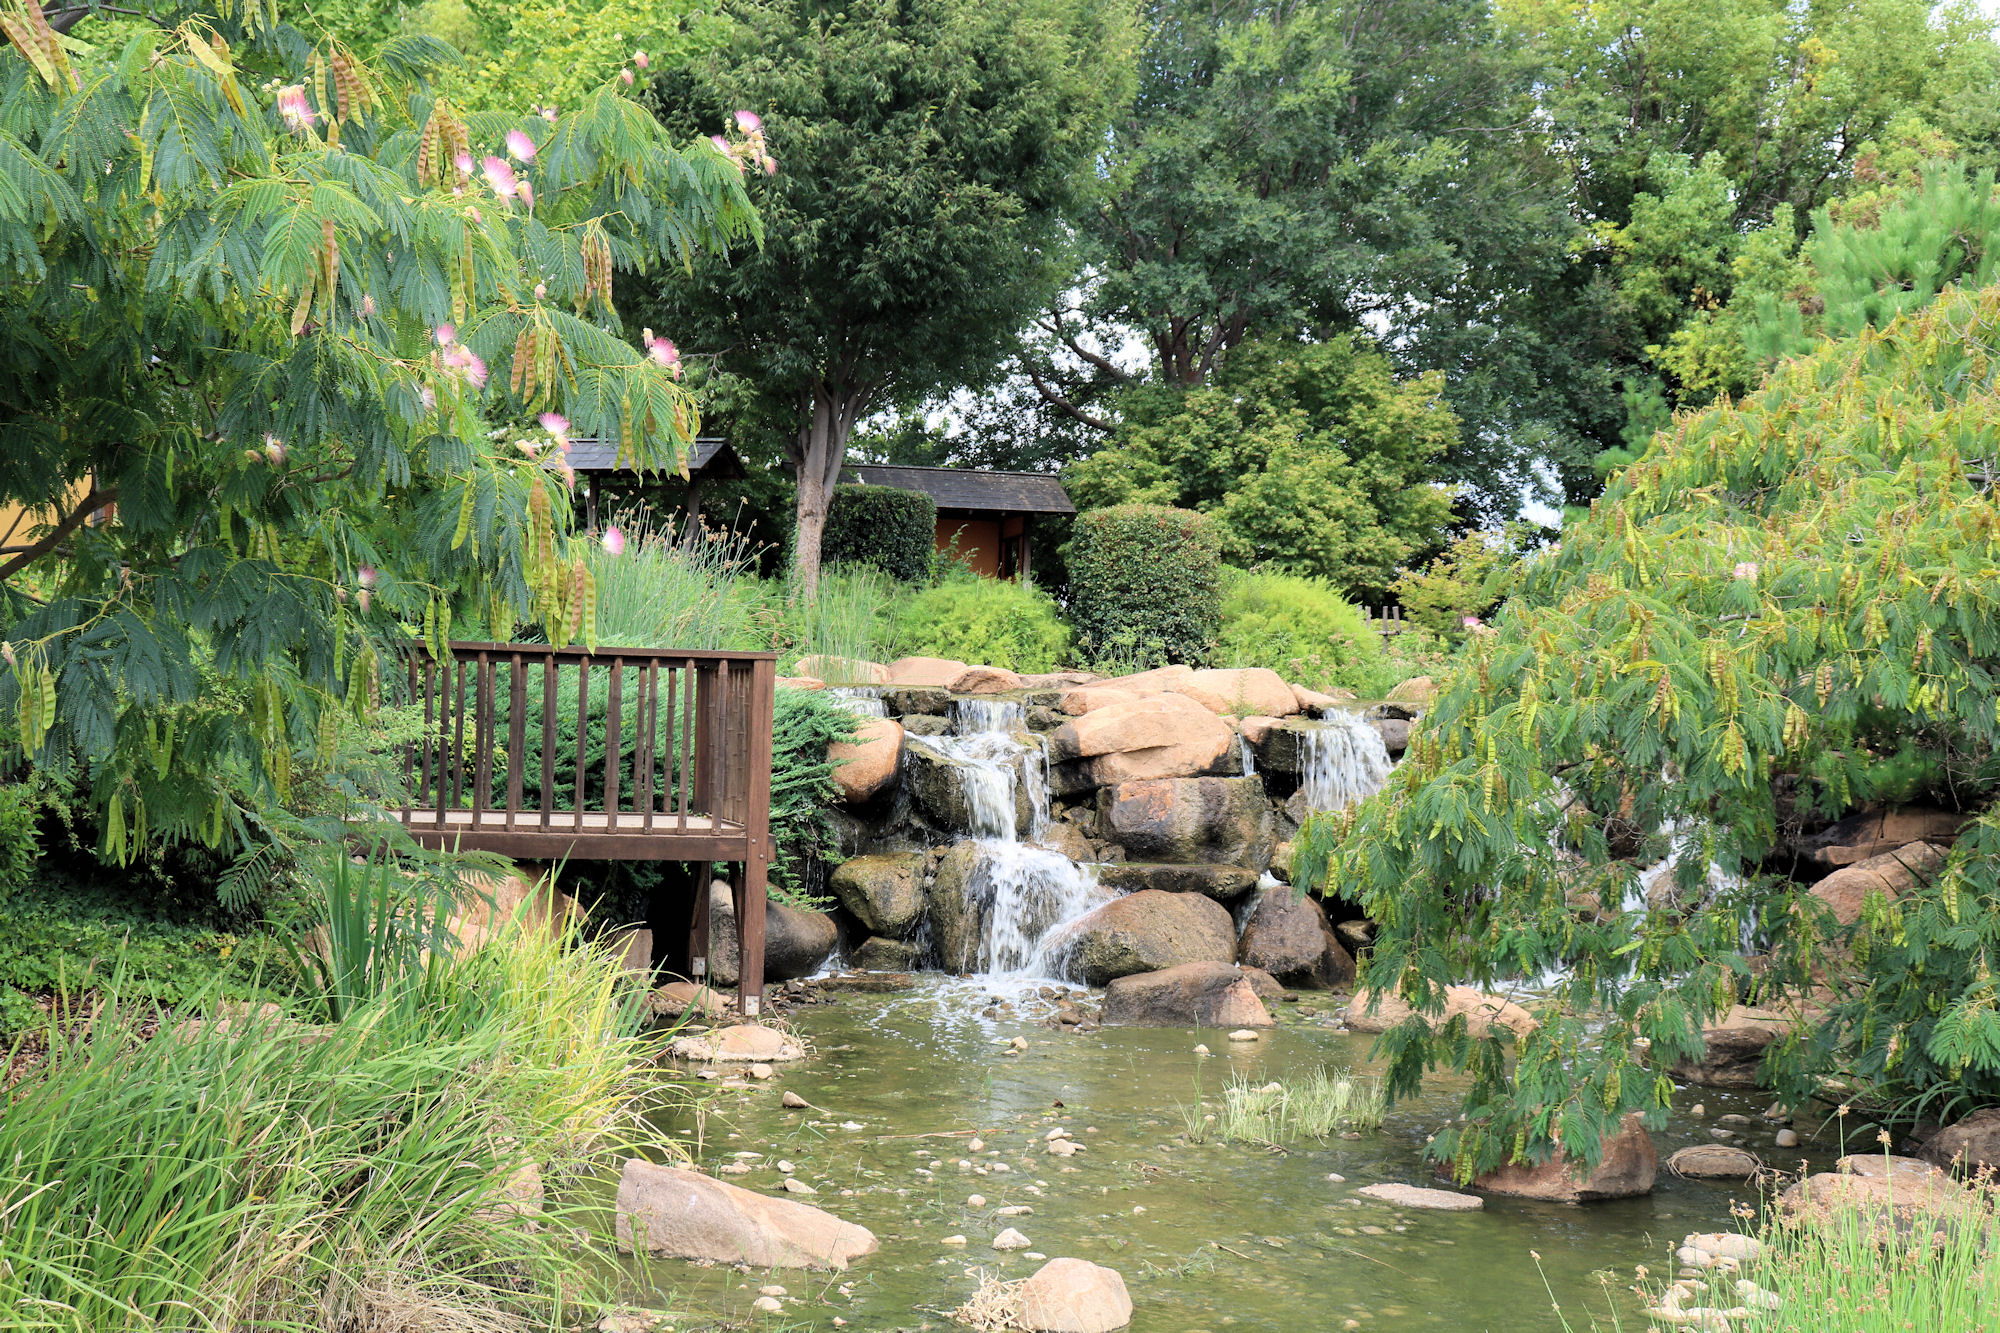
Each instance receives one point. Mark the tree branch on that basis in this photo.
(92, 502)
(1054, 324)
(1063, 404)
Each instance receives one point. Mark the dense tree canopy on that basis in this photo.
(250, 289)
(926, 154)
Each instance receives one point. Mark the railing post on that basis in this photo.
(757, 834)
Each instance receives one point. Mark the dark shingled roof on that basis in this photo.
(711, 456)
(964, 488)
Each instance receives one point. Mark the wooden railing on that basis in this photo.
(617, 754)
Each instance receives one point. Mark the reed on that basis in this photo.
(1319, 1104)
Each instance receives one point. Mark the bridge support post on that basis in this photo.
(750, 934)
(704, 875)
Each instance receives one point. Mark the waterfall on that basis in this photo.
(1341, 761)
(1021, 892)
(861, 700)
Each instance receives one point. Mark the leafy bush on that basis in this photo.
(1144, 585)
(893, 530)
(994, 621)
(850, 618)
(1778, 594)
(1300, 628)
(1469, 580)
(804, 723)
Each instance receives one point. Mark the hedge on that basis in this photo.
(893, 530)
(1144, 586)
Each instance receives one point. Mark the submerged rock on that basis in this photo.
(1205, 994)
(1627, 1169)
(679, 999)
(1416, 1196)
(1713, 1161)
(664, 1210)
(745, 1043)
(1145, 932)
(1288, 936)
(956, 924)
(1073, 1296)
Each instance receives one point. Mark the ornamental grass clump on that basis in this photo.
(1779, 595)
(377, 1173)
(1319, 1104)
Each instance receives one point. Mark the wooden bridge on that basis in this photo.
(621, 754)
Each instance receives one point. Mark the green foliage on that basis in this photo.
(1316, 1106)
(1311, 457)
(381, 930)
(848, 617)
(326, 1177)
(994, 621)
(893, 530)
(1775, 594)
(679, 589)
(1301, 628)
(1473, 576)
(803, 725)
(1144, 586)
(250, 297)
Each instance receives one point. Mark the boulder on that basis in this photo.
(1262, 983)
(1072, 1296)
(1281, 863)
(1483, 1012)
(743, 1044)
(634, 947)
(1316, 703)
(1245, 691)
(842, 670)
(935, 673)
(1191, 995)
(878, 954)
(527, 895)
(941, 787)
(1222, 883)
(1194, 737)
(1419, 691)
(905, 701)
(885, 891)
(1056, 680)
(1416, 1196)
(678, 1214)
(1081, 699)
(1893, 1203)
(1968, 1145)
(1256, 730)
(1715, 1161)
(1395, 733)
(1883, 1164)
(1145, 932)
(800, 683)
(795, 942)
(1734, 1048)
(1210, 754)
(1628, 1168)
(1288, 936)
(956, 921)
(986, 680)
(1873, 832)
(685, 999)
(926, 724)
(866, 766)
(1222, 821)
(1891, 873)
(1159, 678)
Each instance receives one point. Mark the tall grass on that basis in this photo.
(269, 1174)
(850, 619)
(677, 587)
(1320, 1104)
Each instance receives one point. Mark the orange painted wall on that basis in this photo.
(982, 541)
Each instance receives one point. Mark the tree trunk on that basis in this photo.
(820, 450)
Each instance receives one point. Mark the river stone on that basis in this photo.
(745, 1043)
(795, 942)
(1072, 1296)
(923, 724)
(956, 923)
(1221, 821)
(1418, 691)
(1241, 692)
(985, 680)
(925, 672)
(1971, 1144)
(878, 953)
(1733, 1049)
(1714, 1161)
(1892, 873)
(1628, 1168)
(1416, 1196)
(677, 999)
(842, 670)
(1287, 935)
(1316, 703)
(1874, 832)
(1395, 733)
(1204, 995)
(1147, 931)
(866, 766)
(1482, 1011)
(885, 891)
(679, 1214)
(936, 782)
(1222, 883)
(1164, 736)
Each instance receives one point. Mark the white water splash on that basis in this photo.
(861, 700)
(1343, 759)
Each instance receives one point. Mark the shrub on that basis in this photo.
(1003, 624)
(1300, 628)
(1143, 585)
(1469, 580)
(895, 531)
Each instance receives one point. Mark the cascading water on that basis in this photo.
(1342, 760)
(861, 700)
(1021, 892)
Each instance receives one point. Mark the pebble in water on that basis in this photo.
(1201, 1050)
(1011, 1239)
(952, 1240)
(791, 1101)
(977, 1145)
(772, 1290)
(785, 1166)
(1243, 1034)
(768, 1304)
(793, 1185)
(975, 1201)
(1787, 1138)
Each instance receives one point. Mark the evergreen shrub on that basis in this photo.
(892, 530)
(991, 621)
(1301, 628)
(1144, 585)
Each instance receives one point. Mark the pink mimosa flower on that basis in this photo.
(520, 145)
(614, 540)
(1747, 570)
(476, 216)
(526, 193)
(556, 424)
(541, 291)
(770, 165)
(464, 164)
(274, 449)
(749, 122)
(475, 370)
(625, 75)
(549, 114)
(721, 144)
(294, 109)
(365, 576)
(665, 354)
(362, 598)
(428, 397)
(367, 305)
(641, 59)
(499, 175)
(1472, 622)
(446, 335)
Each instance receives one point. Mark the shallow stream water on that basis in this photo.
(1208, 1236)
